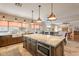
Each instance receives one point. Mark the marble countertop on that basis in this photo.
(13, 35)
(48, 39)
(4, 34)
(16, 35)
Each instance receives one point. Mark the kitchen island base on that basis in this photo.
(39, 48)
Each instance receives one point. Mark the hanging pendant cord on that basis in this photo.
(32, 15)
(39, 10)
(51, 7)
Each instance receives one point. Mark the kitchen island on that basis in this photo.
(44, 45)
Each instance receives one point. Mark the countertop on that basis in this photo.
(16, 35)
(13, 35)
(4, 34)
(47, 39)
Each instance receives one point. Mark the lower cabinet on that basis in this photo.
(41, 49)
(9, 40)
(29, 44)
(25, 44)
(5, 40)
(59, 50)
(17, 40)
(33, 47)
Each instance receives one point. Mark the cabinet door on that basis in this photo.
(29, 44)
(33, 47)
(25, 43)
(2, 42)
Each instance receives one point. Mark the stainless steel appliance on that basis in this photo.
(43, 49)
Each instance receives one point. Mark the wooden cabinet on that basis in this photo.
(9, 40)
(37, 48)
(17, 40)
(25, 42)
(4, 40)
(75, 36)
(29, 44)
(33, 47)
(58, 51)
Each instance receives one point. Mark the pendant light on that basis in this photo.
(3, 17)
(52, 16)
(32, 17)
(18, 4)
(16, 18)
(39, 19)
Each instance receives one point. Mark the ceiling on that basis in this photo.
(65, 12)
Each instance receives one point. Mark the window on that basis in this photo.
(3, 26)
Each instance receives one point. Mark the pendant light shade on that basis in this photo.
(3, 17)
(39, 19)
(52, 16)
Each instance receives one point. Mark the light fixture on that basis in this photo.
(3, 17)
(52, 16)
(24, 20)
(18, 4)
(16, 18)
(32, 17)
(39, 19)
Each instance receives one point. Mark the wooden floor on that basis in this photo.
(14, 50)
(71, 49)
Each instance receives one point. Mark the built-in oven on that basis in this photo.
(43, 49)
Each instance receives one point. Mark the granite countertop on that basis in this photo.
(4, 34)
(16, 35)
(48, 39)
(13, 35)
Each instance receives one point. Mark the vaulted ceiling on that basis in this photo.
(65, 12)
